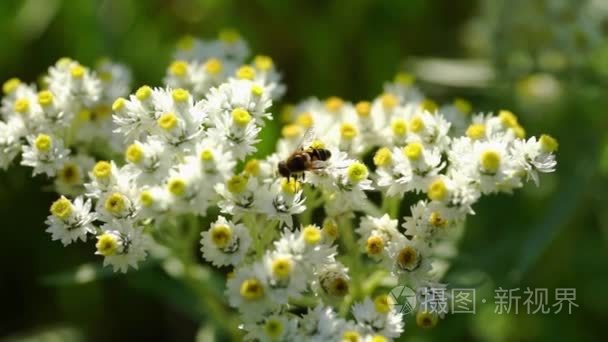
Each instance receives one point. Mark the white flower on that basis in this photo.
(225, 243)
(276, 327)
(378, 317)
(44, 153)
(319, 324)
(411, 260)
(10, 144)
(122, 245)
(115, 80)
(307, 247)
(286, 278)
(69, 221)
(248, 291)
(281, 200)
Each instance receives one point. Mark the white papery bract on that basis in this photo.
(186, 151)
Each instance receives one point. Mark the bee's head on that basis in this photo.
(283, 169)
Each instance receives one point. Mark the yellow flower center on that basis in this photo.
(330, 228)
(374, 245)
(379, 338)
(383, 157)
(436, 220)
(281, 267)
(241, 117)
(357, 172)
(263, 63)
(407, 257)
(70, 174)
(102, 169)
(252, 167)
(311, 234)
(84, 115)
(476, 131)
(413, 151)
(252, 289)
(213, 66)
(490, 161)
(273, 328)
(167, 121)
(399, 127)
(229, 36)
(207, 154)
(221, 235)
(548, 143)
(508, 119)
(180, 95)
(389, 101)
(11, 85)
(437, 190)
(178, 68)
(77, 71)
(115, 203)
(245, 72)
(462, 105)
(382, 304)
(45, 98)
(176, 186)
(107, 244)
(348, 131)
(426, 320)
(291, 131)
(351, 336)
(143, 93)
(290, 186)
(134, 154)
(333, 104)
(105, 76)
(257, 90)
(62, 208)
(363, 109)
(519, 131)
(22, 105)
(237, 184)
(43, 143)
(429, 105)
(146, 198)
(305, 120)
(317, 144)
(404, 78)
(416, 124)
(338, 286)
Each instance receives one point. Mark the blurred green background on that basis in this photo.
(554, 236)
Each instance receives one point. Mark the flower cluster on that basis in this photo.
(300, 248)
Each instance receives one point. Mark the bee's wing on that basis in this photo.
(307, 139)
(319, 165)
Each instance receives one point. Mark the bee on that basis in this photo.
(303, 159)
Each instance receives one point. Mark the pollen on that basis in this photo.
(382, 304)
(426, 320)
(311, 234)
(374, 245)
(252, 167)
(237, 184)
(115, 203)
(176, 186)
(291, 131)
(178, 68)
(476, 131)
(407, 258)
(229, 36)
(221, 235)
(134, 153)
(252, 289)
(107, 244)
(213, 66)
(378, 338)
(43, 143)
(257, 90)
(429, 105)
(348, 131)
(273, 328)
(22, 105)
(290, 186)
(437, 221)
(180, 95)
(77, 71)
(146, 198)
(437, 191)
(167, 121)
(490, 161)
(263, 63)
(143, 93)
(102, 169)
(519, 131)
(389, 101)
(70, 174)
(318, 144)
(338, 286)
(404, 78)
(305, 120)
(462, 105)
(508, 119)
(416, 124)
(399, 127)
(383, 157)
(548, 143)
(245, 72)
(363, 109)
(334, 104)
(357, 172)
(281, 267)
(206, 154)
(118, 104)
(241, 117)
(45, 98)
(11, 85)
(413, 151)
(61, 208)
